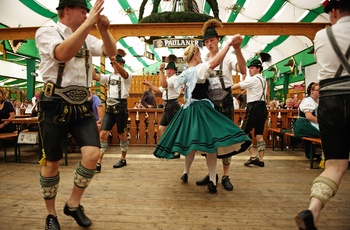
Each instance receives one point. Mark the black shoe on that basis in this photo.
(120, 163)
(98, 167)
(52, 223)
(176, 155)
(261, 164)
(255, 161)
(212, 187)
(205, 180)
(78, 214)
(225, 181)
(305, 220)
(184, 177)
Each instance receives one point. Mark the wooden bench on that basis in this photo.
(313, 140)
(5, 138)
(276, 131)
(36, 141)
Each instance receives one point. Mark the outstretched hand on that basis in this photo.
(94, 14)
(236, 41)
(162, 66)
(103, 23)
(147, 83)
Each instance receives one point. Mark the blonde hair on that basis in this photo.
(190, 52)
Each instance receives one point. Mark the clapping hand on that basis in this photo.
(236, 41)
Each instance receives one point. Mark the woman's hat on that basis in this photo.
(81, 3)
(335, 4)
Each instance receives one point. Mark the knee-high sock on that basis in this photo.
(211, 163)
(188, 161)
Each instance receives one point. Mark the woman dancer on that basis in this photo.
(197, 126)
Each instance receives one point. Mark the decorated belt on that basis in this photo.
(335, 86)
(74, 94)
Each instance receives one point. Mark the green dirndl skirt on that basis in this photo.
(303, 128)
(200, 127)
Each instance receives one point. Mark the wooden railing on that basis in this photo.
(143, 125)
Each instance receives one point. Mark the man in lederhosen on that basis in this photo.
(332, 51)
(66, 51)
(220, 85)
(169, 93)
(256, 111)
(117, 111)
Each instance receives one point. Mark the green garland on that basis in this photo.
(177, 16)
(142, 9)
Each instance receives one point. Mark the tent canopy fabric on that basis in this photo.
(28, 13)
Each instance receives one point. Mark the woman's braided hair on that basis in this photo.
(189, 52)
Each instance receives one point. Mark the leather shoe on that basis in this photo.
(212, 187)
(78, 214)
(205, 180)
(52, 223)
(255, 161)
(176, 155)
(184, 178)
(120, 163)
(305, 220)
(225, 181)
(98, 167)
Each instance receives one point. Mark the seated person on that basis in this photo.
(306, 125)
(6, 111)
(272, 105)
(289, 104)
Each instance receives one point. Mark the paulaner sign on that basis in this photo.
(176, 43)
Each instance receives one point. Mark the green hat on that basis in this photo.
(210, 32)
(171, 65)
(119, 58)
(256, 63)
(335, 4)
(81, 3)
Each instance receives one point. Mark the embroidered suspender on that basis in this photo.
(343, 58)
(82, 52)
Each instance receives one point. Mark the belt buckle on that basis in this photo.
(48, 91)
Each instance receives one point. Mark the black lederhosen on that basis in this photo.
(334, 120)
(256, 114)
(57, 118)
(225, 106)
(170, 109)
(117, 114)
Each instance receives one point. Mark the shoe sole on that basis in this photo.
(300, 223)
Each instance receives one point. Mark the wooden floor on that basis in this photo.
(148, 194)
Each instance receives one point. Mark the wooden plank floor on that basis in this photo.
(148, 194)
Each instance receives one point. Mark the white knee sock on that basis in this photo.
(211, 163)
(188, 161)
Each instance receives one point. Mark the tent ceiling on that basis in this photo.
(28, 13)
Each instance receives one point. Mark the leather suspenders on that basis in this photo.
(82, 53)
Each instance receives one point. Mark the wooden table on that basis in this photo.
(27, 121)
(23, 115)
(20, 122)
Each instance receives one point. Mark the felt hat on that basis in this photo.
(209, 30)
(256, 63)
(119, 58)
(335, 4)
(81, 3)
(210, 33)
(171, 65)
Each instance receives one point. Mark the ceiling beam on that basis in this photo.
(185, 29)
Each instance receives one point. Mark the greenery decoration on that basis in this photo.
(170, 17)
(188, 6)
